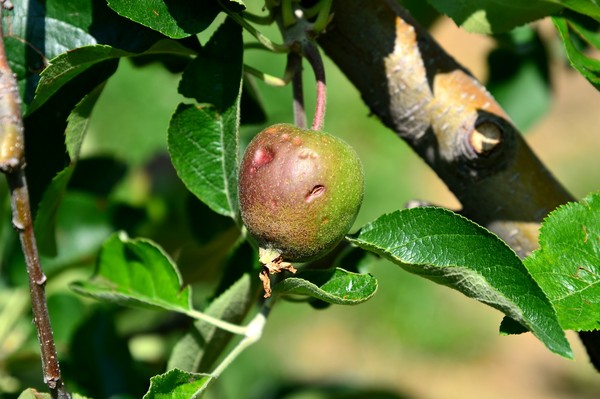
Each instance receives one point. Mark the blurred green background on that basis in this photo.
(413, 339)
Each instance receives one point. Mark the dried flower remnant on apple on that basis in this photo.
(300, 191)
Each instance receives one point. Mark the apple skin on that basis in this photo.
(299, 191)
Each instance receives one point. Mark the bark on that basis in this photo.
(448, 118)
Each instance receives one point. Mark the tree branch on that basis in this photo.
(12, 163)
(448, 118)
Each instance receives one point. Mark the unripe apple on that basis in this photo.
(299, 190)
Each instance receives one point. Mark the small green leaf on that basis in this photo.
(78, 121)
(45, 219)
(451, 250)
(336, 286)
(175, 18)
(177, 384)
(567, 264)
(136, 272)
(570, 28)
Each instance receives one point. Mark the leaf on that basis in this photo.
(45, 220)
(571, 29)
(336, 286)
(177, 384)
(519, 76)
(42, 29)
(202, 140)
(214, 76)
(78, 121)
(203, 344)
(31, 393)
(453, 251)
(495, 16)
(66, 66)
(203, 148)
(174, 18)
(567, 264)
(136, 272)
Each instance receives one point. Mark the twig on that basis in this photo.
(294, 66)
(12, 163)
(311, 52)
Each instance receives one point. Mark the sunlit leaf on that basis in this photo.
(336, 286)
(567, 265)
(453, 251)
(136, 272)
(177, 384)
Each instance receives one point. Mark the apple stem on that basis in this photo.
(295, 67)
(312, 54)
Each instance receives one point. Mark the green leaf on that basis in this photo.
(495, 16)
(214, 76)
(203, 344)
(136, 272)
(177, 384)
(203, 147)
(66, 66)
(45, 220)
(42, 29)
(453, 251)
(336, 286)
(567, 264)
(31, 393)
(175, 18)
(571, 30)
(202, 140)
(78, 121)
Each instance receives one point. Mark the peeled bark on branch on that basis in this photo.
(448, 118)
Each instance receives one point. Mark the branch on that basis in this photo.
(12, 163)
(448, 118)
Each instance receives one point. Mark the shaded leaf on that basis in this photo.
(45, 220)
(567, 264)
(177, 384)
(41, 30)
(571, 30)
(31, 393)
(66, 66)
(453, 251)
(100, 363)
(203, 344)
(173, 18)
(136, 272)
(336, 286)
(214, 76)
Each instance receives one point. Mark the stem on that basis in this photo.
(12, 163)
(265, 41)
(323, 16)
(295, 67)
(252, 335)
(37, 281)
(265, 77)
(311, 52)
(223, 325)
